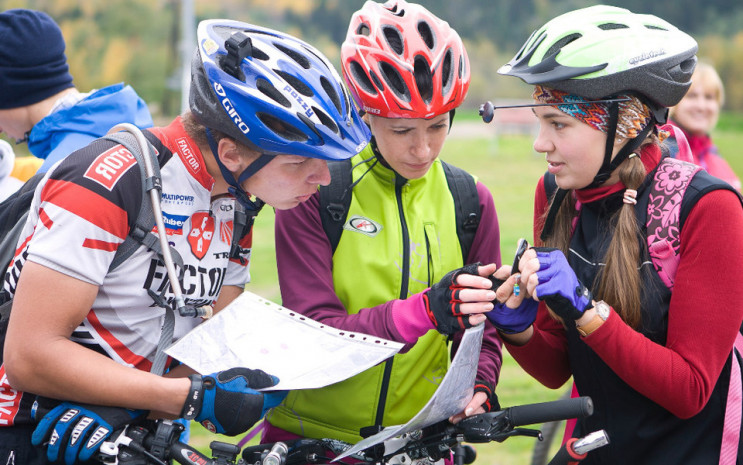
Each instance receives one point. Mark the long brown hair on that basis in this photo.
(619, 283)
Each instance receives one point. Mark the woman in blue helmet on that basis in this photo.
(267, 112)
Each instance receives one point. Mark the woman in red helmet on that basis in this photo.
(399, 235)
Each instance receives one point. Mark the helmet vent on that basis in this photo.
(363, 29)
(395, 11)
(394, 39)
(326, 120)
(447, 71)
(332, 94)
(611, 26)
(282, 128)
(657, 28)
(424, 29)
(272, 92)
(377, 82)
(294, 55)
(360, 77)
(395, 81)
(557, 46)
(423, 78)
(296, 83)
(259, 54)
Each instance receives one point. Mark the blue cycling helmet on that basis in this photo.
(272, 92)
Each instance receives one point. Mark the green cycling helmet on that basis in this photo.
(601, 51)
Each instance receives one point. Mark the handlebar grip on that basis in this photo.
(576, 449)
(567, 455)
(562, 409)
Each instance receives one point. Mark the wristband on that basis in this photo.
(195, 398)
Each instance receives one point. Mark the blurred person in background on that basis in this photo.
(696, 115)
(40, 105)
(8, 183)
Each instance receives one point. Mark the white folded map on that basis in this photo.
(253, 332)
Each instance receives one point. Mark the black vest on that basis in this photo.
(640, 431)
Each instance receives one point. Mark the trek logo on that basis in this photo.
(188, 156)
(202, 231)
(230, 108)
(363, 225)
(110, 166)
(174, 223)
(307, 110)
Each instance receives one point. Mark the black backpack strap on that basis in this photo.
(242, 224)
(466, 203)
(335, 199)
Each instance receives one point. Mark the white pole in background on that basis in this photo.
(187, 46)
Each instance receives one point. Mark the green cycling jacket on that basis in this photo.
(399, 238)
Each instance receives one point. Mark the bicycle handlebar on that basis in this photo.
(531, 414)
(159, 444)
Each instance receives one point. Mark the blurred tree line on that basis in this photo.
(137, 41)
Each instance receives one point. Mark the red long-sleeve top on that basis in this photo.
(704, 316)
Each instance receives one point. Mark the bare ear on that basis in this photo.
(229, 154)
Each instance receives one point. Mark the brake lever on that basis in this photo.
(109, 450)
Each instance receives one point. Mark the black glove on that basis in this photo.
(74, 432)
(491, 404)
(228, 402)
(443, 304)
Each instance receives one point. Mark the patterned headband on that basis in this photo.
(634, 115)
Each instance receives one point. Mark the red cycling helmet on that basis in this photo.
(401, 61)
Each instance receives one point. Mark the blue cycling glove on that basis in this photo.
(513, 320)
(74, 433)
(559, 287)
(228, 402)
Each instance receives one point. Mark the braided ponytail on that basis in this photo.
(620, 284)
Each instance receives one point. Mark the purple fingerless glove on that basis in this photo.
(559, 287)
(513, 320)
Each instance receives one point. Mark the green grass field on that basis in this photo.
(510, 169)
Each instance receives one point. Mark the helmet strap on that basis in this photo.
(610, 164)
(611, 131)
(235, 185)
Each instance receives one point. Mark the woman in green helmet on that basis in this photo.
(650, 341)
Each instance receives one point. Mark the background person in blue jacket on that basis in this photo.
(39, 103)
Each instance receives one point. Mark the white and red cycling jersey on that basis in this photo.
(83, 210)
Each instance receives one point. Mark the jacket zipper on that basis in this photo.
(399, 183)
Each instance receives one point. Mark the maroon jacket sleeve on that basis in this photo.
(305, 261)
(704, 318)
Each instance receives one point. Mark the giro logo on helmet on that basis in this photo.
(307, 110)
(230, 108)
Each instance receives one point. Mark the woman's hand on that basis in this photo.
(514, 310)
(459, 300)
(548, 277)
